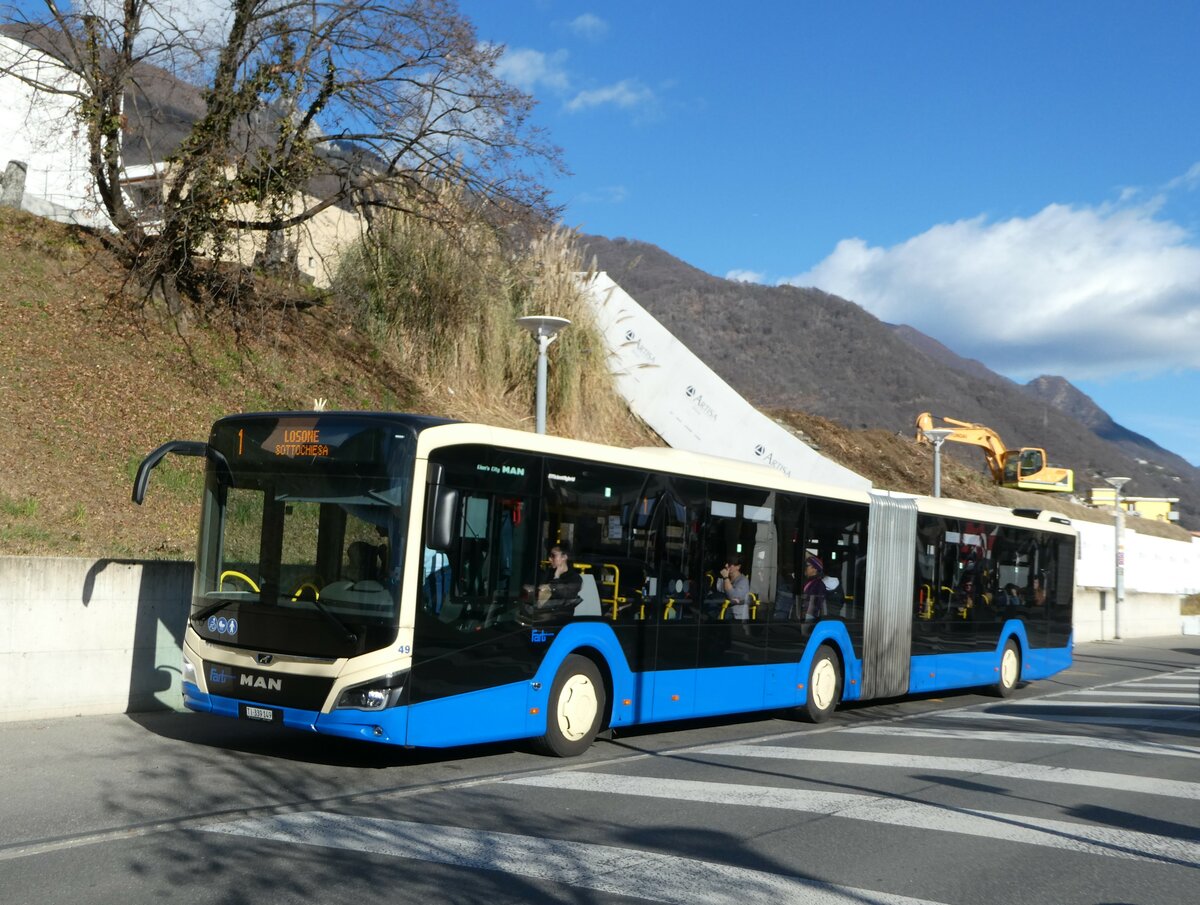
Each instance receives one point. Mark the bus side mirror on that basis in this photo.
(180, 448)
(441, 504)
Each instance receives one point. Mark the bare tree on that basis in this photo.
(302, 105)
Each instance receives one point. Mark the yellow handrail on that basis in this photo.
(230, 573)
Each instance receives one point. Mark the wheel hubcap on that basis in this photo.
(576, 707)
(1008, 668)
(824, 684)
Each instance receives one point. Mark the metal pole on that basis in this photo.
(543, 345)
(1119, 594)
(937, 467)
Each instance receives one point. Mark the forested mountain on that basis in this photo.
(803, 349)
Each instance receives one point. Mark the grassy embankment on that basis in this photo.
(94, 377)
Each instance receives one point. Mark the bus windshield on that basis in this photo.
(301, 541)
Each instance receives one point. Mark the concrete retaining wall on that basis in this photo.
(80, 636)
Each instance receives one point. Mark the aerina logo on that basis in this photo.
(631, 338)
(703, 407)
(761, 452)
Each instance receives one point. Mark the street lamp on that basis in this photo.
(545, 329)
(937, 436)
(1119, 580)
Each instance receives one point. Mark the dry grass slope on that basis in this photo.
(91, 379)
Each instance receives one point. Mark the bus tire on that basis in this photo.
(1010, 669)
(824, 685)
(575, 710)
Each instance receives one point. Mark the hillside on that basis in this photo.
(806, 350)
(93, 379)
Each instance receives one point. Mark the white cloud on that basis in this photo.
(530, 70)
(746, 276)
(626, 94)
(607, 194)
(1084, 292)
(1189, 180)
(589, 26)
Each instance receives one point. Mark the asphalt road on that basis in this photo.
(1082, 789)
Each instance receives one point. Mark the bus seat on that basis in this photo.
(589, 596)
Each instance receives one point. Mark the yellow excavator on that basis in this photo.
(1020, 469)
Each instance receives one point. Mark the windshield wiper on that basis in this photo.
(324, 611)
(212, 608)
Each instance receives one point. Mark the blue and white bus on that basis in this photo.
(367, 575)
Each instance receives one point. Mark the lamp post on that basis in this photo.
(937, 436)
(545, 329)
(1119, 541)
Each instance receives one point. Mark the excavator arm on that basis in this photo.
(1021, 469)
(974, 434)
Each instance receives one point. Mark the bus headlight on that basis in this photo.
(189, 671)
(378, 694)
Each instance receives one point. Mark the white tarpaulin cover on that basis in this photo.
(688, 405)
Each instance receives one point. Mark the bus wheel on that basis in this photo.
(1010, 669)
(824, 685)
(577, 702)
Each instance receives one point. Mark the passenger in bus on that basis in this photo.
(735, 588)
(436, 582)
(1011, 596)
(560, 584)
(964, 598)
(363, 563)
(812, 596)
(1037, 594)
(835, 600)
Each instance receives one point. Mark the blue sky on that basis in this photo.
(1019, 180)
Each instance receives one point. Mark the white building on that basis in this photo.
(40, 134)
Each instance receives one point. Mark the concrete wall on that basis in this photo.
(81, 636)
(1142, 615)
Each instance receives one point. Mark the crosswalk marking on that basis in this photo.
(629, 872)
(1151, 695)
(1036, 738)
(1062, 702)
(1096, 719)
(978, 766)
(1059, 834)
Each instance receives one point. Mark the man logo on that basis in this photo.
(264, 659)
(260, 682)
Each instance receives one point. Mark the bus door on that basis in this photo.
(733, 632)
(672, 543)
(468, 633)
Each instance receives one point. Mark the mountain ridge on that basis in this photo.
(785, 347)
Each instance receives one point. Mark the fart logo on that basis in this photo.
(219, 676)
(540, 636)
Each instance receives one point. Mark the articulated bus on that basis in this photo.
(368, 575)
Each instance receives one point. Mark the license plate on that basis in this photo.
(263, 714)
